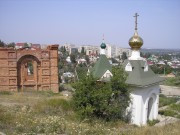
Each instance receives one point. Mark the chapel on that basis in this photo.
(143, 82)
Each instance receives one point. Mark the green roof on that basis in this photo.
(139, 77)
(101, 66)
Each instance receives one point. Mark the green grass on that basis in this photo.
(163, 100)
(172, 81)
(175, 107)
(5, 93)
(152, 122)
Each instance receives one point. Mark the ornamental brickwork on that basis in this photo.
(29, 69)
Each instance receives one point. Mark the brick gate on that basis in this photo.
(29, 69)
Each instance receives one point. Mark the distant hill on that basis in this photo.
(161, 51)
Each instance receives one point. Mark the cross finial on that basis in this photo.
(103, 37)
(136, 15)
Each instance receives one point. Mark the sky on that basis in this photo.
(83, 22)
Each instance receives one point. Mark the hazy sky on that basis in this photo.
(85, 21)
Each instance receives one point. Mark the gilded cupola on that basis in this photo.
(135, 41)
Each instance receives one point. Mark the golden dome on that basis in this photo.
(135, 41)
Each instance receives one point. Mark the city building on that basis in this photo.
(70, 48)
(89, 50)
(36, 46)
(19, 45)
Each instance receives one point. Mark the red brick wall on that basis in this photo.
(46, 69)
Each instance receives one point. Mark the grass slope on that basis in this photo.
(48, 113)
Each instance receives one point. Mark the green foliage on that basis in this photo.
(172, 81)
(5, 93)
(152, 122)
(114, 60)
(119, 87)
(11, 44)
(163, 100)
(82, 50)
(22, 118)
(175, 107)
(30, 67)
(81, 72)
(165, 57)
(64, 104)
(178, 116)
(124, 56)
(5, 118)
(53, 106)
(62, 49)
(90, 97)
(161, 69)
(2, 44)
(73, 58)
(26, 45)
(87, 59)
(168, 113)
(102, 100)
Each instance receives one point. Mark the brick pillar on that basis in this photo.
(8, 69)
(54, 68)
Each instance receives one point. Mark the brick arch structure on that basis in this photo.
(14, 71)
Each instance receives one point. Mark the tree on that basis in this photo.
(61, 49)
(81, 71)
(121, 94)
(161, 69)
(11, 44)
(82, 50)
(114, 60)
(73, 58)
(102, 100)
(2, 44)
(26, 45)
(87, 59)
(124, 56)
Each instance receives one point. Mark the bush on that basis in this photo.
(102, 100)
(152, 122)
(167, 113)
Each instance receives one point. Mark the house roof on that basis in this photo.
(139, 77)
(36, 46)
(20, 44)
(101, 66)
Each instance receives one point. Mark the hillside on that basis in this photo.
(48, 113)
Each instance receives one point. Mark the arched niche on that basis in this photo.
(151, 105)
(28, 72)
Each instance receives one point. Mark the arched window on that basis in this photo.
(30, 68)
